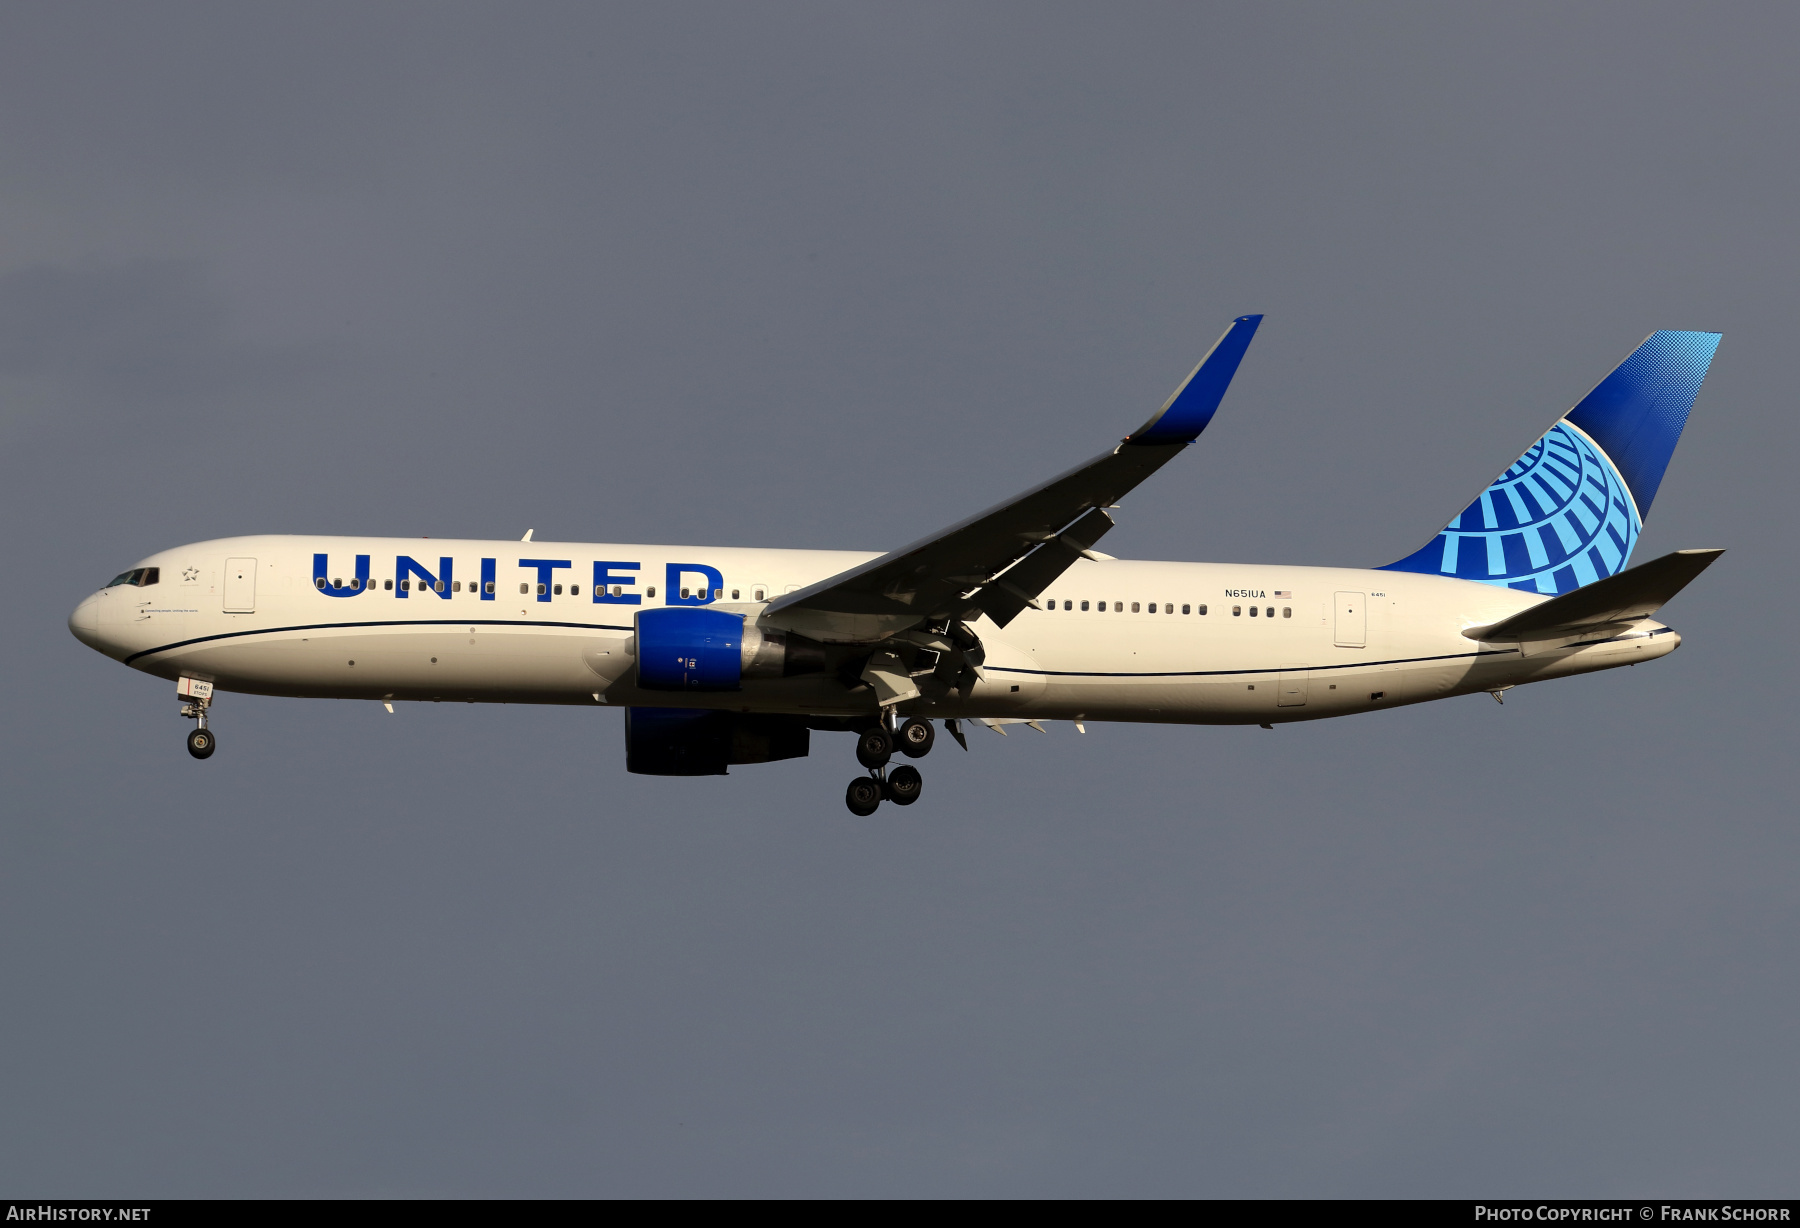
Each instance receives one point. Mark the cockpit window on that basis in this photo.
(137, 577)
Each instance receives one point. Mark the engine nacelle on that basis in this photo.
(702, 742)
(681, 648)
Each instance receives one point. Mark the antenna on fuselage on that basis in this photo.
(528, 533)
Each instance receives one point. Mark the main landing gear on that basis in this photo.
(200, 740)
(875, 746)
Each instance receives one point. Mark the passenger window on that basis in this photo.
(558, 590)
(388, 585)
(653, 590)
(406, 585)
(489, 587)
(1203, 609)
(524, 589)
(318, 582)
(1236, 610)
(757, 595)
(1134, 607)
(355, 584)
(1068, 605)
(734, 594)
(718, 593)
(1187, 609)
(438, 587)
(1118, 607)
(540, 591)
(1252, 611)
(1287, 611)
(1270, 611)
(456, 586)
(1084, 606)
(684, 594)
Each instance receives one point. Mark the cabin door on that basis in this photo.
(240, 586)
(1352, 622)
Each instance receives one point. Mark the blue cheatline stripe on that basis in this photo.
(413, 622)
(997, 669)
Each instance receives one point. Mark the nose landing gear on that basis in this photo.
(200, 740)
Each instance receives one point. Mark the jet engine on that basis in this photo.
(699, 742)
(688, 649)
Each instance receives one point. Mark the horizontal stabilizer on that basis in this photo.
(1624, 598)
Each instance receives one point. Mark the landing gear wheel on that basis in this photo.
(874, 748)
(863, 796)
(916, 737)
(200, 743)
(904, 784)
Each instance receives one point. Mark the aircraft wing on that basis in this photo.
(1631, 595)
(998, 561)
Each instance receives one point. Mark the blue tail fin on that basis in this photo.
(1569, 511)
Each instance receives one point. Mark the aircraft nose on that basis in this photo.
(84, 623)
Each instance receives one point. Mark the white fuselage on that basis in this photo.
(247, 614)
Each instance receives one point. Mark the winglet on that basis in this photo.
(1190, 407)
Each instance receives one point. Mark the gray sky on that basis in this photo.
(834, 276)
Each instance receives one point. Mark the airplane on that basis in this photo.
(729, 656)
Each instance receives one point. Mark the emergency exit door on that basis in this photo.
(1352, 622)
(240, 586)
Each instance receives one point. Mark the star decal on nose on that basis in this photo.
(191, 574)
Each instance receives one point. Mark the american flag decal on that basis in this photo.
(1284, 592)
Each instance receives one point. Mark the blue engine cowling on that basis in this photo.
(680, 648)
(684, 649)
